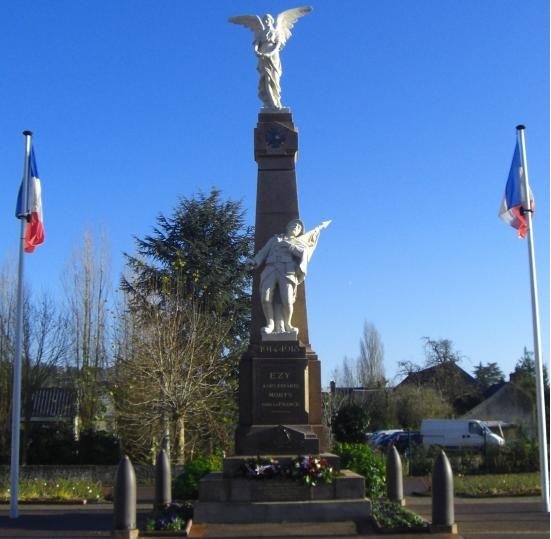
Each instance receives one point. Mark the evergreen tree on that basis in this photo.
(350, 424)
(488, 374)
(197, 255)
(524, 375)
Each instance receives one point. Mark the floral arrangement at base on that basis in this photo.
(261, 468)
(173, 517)
(309, 470)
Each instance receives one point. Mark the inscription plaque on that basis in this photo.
(275, 348)
(281, 395)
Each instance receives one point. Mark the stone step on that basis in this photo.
(356, 510)
(276, 530)
(214, 487)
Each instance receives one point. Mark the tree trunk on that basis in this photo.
(178, 453)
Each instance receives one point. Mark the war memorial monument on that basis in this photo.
(279, 375)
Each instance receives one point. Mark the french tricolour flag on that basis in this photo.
(514, 199)
(31, 209)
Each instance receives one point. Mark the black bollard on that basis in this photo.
(443, 517)
(163, 494)
(124, 503)
(394, 479)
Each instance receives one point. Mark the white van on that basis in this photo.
(459, 433)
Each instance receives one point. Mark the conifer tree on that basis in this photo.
(197, 254)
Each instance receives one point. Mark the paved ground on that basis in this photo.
(500, 518)
(493, 518)
(49, 521)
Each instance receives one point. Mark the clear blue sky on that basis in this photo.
(406, 114)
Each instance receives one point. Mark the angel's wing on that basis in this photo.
(254, 22)
(286, 19)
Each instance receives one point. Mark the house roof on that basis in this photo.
(509, 403)
(53, 403)
(426, 376)
(494, 388)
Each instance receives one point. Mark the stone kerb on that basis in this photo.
(355, 510)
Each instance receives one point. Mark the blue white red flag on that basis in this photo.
(31, 209)
(514, 202)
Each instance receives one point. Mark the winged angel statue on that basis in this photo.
(269, 38)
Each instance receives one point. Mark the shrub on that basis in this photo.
(421, 459)
(517, 456)
(170, 518)
(361, 459)
(98, 447)
(52, 446)
(350, 424)
(390, 515)
(58, 446)
(466, 461)
(186, 485)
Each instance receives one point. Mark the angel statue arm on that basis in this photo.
(270, 37)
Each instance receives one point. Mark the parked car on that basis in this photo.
(377, 437)
(384, 440)
(459, 433)
(403, 441)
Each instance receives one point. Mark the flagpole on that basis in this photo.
(540, 401)
(16, 397)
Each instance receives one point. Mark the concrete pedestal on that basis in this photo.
(280, 401)
(240, 500)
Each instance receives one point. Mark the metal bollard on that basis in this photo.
(124, 503)
(394, 479)
(163, 494)
(443, 517)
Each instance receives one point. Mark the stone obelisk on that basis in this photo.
(280, 376)
(275, 151)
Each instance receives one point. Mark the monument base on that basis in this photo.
(280, 336)
(263, 439)
(280, 400)
(238, 500)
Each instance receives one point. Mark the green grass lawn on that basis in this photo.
(61, 490)
(488, 485)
